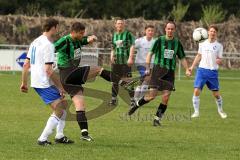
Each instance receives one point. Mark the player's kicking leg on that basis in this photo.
(111, 77)
(105, 74)
(144, 100)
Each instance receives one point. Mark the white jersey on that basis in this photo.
(143, 46)
(41, 51)
(210, 52)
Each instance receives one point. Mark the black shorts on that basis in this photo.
(72, 78)
(162, 78)
(121, 70)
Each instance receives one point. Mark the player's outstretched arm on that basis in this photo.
(112, 58)
(131, 55)
(219, 61)
(196, 61)
(185, 65)
(24, 85)
(148, 61)
(55, 78)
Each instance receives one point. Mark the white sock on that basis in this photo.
(196, 103)
(137, 93)
(144, 89)
(61, 125)
(50, 126)
(219, 103)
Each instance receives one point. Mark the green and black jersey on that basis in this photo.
(165, 52)
(122, 43)
(69, 51)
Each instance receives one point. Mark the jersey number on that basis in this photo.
(32, 59)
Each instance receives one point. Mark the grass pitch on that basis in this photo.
(117, 136)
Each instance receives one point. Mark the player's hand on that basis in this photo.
(130, 61)
(24, 88)
(188, 72)
(191, 69)
(62, 92)
(92, 39)
(219, 61)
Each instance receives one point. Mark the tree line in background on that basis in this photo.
(178, 10)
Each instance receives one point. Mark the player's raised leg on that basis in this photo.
(144, 100)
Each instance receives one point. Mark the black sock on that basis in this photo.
(82, 122)
(115, 89)
(161, 109)
(142, 101)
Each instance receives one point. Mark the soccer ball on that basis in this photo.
(200, 34)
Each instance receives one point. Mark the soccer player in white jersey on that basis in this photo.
(209, 55)
(143, 45)
(46, 83)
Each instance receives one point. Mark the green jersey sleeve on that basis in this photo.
(84, 40)
(180, 52)
(155, 47)
(131, 39)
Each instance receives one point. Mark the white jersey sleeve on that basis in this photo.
(48, 54)
(200, 48)
(137, 43)
(30, 51)
(220, 52)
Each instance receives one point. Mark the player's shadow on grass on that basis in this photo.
(100, 109)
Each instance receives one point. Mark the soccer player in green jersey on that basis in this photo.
(122, 56)
(72, 75)
(166, 50)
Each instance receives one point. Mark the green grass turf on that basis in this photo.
(23, 116)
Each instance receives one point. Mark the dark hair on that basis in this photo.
(77, 27)
(49, 23)
(118, 19)
(214, 27)
(149, 26)
(171, 22)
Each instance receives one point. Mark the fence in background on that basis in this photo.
(12, 58)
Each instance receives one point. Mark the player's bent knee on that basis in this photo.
(64, 104)
(58, 113)
(216, 94)
(165, 98)
(151, 98)
(96, 69)
(196, 92)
